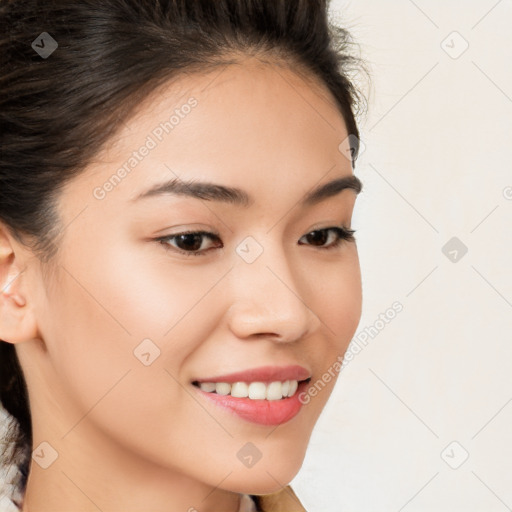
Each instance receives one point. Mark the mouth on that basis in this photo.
(262, 383)
(275, 390)
(267, 395)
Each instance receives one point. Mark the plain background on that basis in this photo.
(437, 165)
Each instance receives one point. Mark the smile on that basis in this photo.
(267, 395)
(276, 390)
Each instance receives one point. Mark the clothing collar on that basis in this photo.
(247, 504)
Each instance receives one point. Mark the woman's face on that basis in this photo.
(131, 322)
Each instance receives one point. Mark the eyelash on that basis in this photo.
(343, 234)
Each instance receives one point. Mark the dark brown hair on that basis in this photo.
(57, 111)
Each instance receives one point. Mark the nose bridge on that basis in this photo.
(267, 296)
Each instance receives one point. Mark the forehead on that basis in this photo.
(249, 125)
(250, 99)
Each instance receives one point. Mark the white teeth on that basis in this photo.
(254, 390)
(208, 386)
(274, 391)
(222, 388)
(240, 390)
(257, 390)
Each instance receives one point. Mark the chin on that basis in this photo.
(265, 479)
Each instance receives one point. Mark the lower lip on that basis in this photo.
(263, 412)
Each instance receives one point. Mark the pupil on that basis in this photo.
(320, 236)
(189, 241)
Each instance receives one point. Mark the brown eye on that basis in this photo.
(320, 237)
(188, 243)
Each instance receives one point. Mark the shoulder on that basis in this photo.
(284, 500)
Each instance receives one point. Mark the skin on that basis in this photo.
(131, 437)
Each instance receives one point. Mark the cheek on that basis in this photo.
(134, 294)
(340, 294)
(113, 308)
(95, 374)
(100, 312)
(154, 297)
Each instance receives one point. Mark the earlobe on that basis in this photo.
(17, 322)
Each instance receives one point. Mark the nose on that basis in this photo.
(272, 299)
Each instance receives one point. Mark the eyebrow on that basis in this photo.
(236, 196)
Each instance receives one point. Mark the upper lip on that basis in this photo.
(262, 374)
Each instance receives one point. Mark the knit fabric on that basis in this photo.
(10, 475)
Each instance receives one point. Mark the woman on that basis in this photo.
(179, 277)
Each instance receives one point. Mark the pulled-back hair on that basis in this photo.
(58, 110)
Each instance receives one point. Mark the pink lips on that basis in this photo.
(263, 374)
(263, 412)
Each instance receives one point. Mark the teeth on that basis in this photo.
(240, 390)
(274, 391)
(253, 390)
(293, 387)
(208, 386)
(257, 391)
(222, 388)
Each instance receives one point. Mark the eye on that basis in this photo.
(190, 243)
(319, 237)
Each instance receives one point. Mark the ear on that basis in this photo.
(17, 319)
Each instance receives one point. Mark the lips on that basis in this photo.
(262, 374)
(258, 395)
